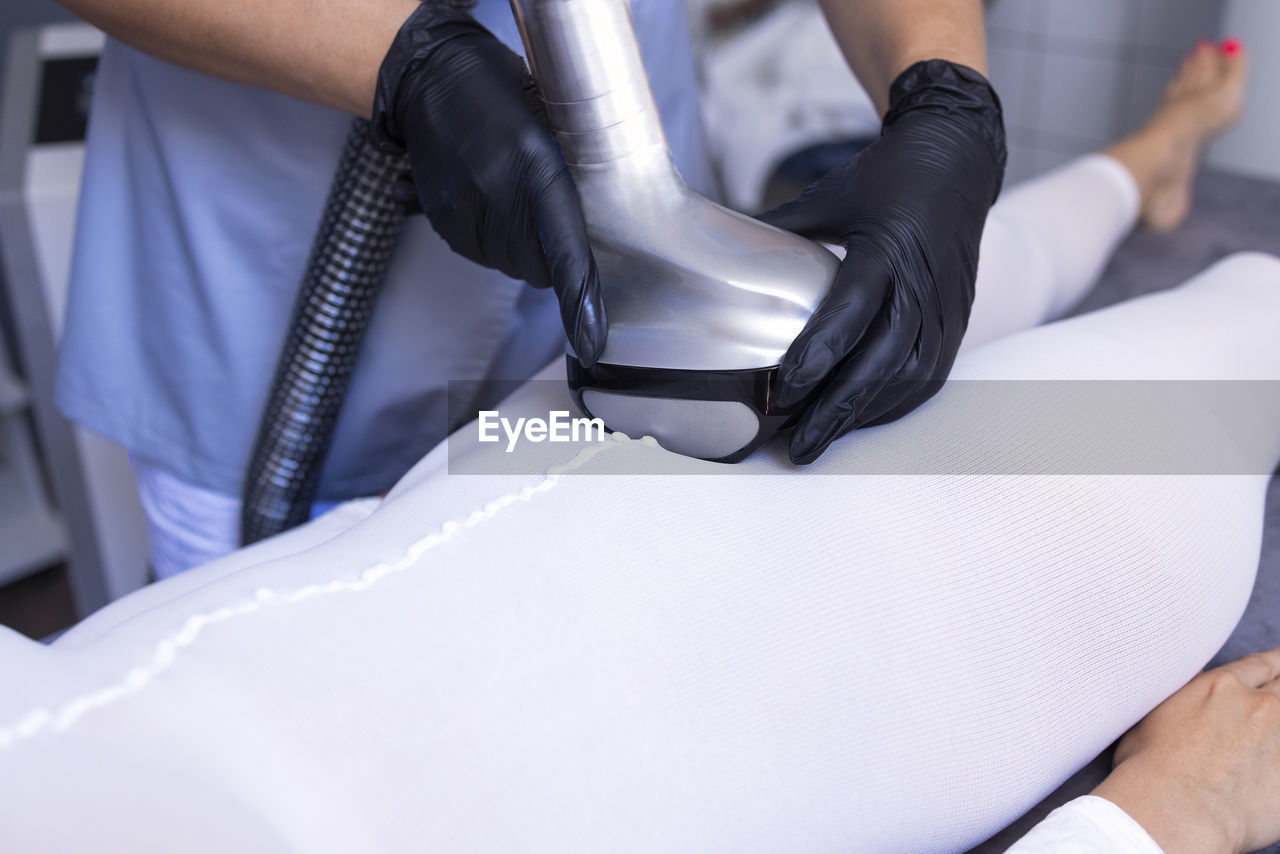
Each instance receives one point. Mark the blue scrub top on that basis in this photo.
(199, 202)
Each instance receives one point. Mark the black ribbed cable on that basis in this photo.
(369, 199)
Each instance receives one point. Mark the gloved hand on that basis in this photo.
(488, 171)
(910, 210)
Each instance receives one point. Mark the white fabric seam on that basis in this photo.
(166, 651)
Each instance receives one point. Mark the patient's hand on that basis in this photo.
(1202, 772)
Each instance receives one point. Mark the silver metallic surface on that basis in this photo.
(361, 223)
(709, 429)
(687, 284)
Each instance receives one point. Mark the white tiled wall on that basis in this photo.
(1076, 74)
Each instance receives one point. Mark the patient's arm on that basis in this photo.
(1202, 772)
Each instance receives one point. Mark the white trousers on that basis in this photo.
(188, 525)
(1044, 246)
(776, 659)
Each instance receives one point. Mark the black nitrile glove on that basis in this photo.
(910, 210)
(488, 171)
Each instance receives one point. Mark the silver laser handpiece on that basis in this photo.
(702, 302)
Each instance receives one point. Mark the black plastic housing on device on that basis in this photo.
(751, 387)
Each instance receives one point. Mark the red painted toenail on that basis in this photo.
(1232, 46)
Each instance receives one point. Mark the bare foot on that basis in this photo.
(1203, 100)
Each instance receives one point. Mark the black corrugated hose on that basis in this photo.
(369, 199)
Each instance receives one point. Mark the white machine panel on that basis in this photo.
(99, 523)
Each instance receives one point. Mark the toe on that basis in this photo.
(1229, 84)
(1204, 66)
(1196, 66)
(1235, 60)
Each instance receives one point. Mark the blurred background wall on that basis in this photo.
(1076, 74)
(24, 13)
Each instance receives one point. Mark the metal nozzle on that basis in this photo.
(688, 285)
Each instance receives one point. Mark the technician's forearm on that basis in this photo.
(325, 51)
(882, 38)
